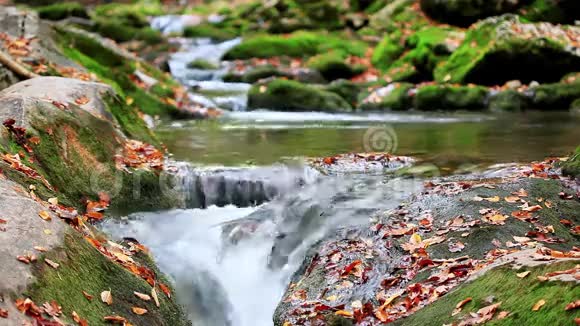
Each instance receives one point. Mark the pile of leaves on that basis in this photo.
(139, 155)
(392, 271)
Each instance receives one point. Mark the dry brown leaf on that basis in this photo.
(493, 199)
(539, 305)
(523, 274)
(115, 319)
(87, 295)
(142, 296)
(154, 296)
(573, 305)
(512, 199)
(51, 263)
(139, 311)
(39, 248)
(82, 100)
(107, 297)
(460, 305)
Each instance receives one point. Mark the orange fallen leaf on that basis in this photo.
(3, 313)
(539, 305)
(115, 319)
(82, 100)
(512, 199)
(88, 296)
(165, 290)
(44, 215)
(573, 305)
(344, 313)
(39, 248)
(460, 305)
(139, 311)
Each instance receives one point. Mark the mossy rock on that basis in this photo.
(497, 50)
(466, 12)
(388, 50)
(288, 95)
(333, 65)
(126, 14)
(554, 11)
(348, 90)
(426, 49)
(202, 65)
(516, 295)
(572, 166)
(123, 33)
(558, 96)
(442, 97)
(394, 97)
(63, 10)
(77, 147)
(299, 44)
(212, 31)
(83, 268)
(509, 100)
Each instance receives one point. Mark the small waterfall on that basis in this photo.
(242, 187)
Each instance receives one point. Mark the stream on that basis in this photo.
(232, 259)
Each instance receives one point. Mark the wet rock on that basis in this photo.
(509, 100)
(368, 163)
(394, 97)
(356, 270)
(287, 95)
(512, 49)
(466, 12)
(572, 166)
(443, 97)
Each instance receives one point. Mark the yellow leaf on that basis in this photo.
(47, 232)
(415, 239)
(44, 215)
(139, 311)
(53, 201)
(343, 313)
(51, 263)
(523, 274)
(538, 305)
(129, 100)
(107, 297)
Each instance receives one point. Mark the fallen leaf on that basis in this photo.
(521, 193)
(523, 274)
(3, 313)
(573, 305)
(129, 100)
(82, 100)
(154, 296)
(165, 290)
(538, 305)
(512, 199)
(39, 248)
(344, 313)
(44, 215)
(88, 296)
(456, 247)
(107, 297)
(142, 296)
(47, 232)
(139, 311)
(51, 263)
(493, 199)
(460, 305)
(115, 319)
(502, 315)
(53, 200)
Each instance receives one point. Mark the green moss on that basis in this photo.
(388, 50)
(554, 11)
(132, 15)
(346, 89)
(397, 99)
(201, 64)
(210, 31)
(261, 72)
(572, 166)
(123, 33)
(332, 65)
(299, 44)
(489, 55)
(83, 268)
(508, 100)
(63, 10)
(440, 97)
(557, 96)
(517, 296)
(287, 95)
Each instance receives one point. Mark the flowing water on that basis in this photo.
(231, 264)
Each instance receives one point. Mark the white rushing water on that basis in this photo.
(219, 288)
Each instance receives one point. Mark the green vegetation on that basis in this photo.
(83, 268)
(299, 44)
(558, 96)
(332, 65)
(287, 95)
(62, 10)
(212, 31)
(441, 97)
(572, 166)
(517, 296)
(508, 100)
(202, 64)
(397, 99)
